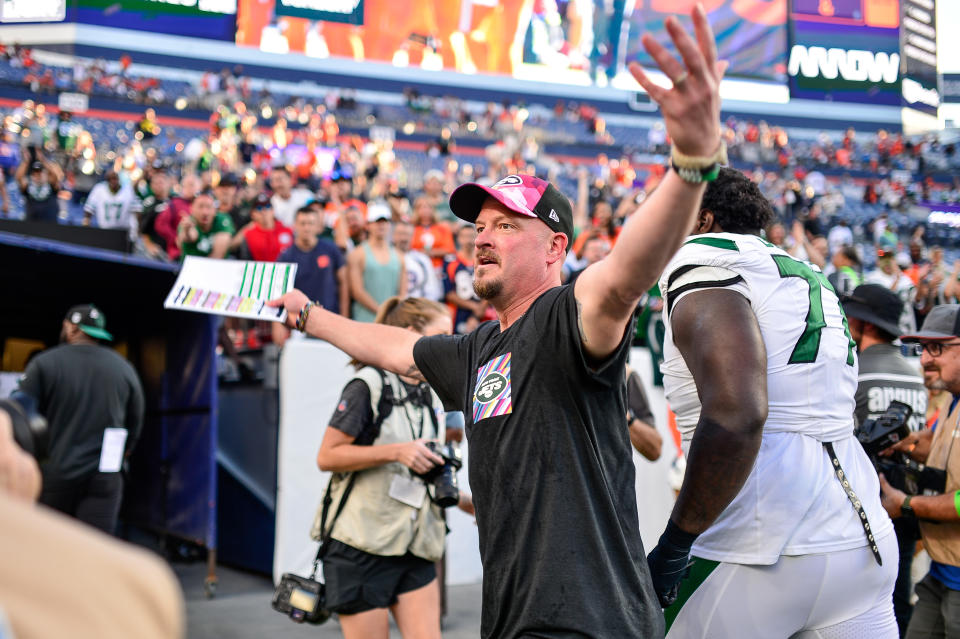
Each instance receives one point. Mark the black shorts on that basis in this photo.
(357, 581)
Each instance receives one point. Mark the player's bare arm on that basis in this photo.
(724, 351)
(608, 291)
(378, 345)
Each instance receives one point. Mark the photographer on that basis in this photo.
(937, 612)
(885, 374)
(385, 542)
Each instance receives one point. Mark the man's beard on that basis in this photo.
(488, 290)
(936, 384)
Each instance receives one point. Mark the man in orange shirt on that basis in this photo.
(432, 237)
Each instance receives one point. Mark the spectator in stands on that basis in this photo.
(168, 221)
(435, 196)
(321, 268)
(113, 205)
(777, 235)
(845, 275)
(602, 225)
(595, 247)
(39, 186)
(263, 238)
(286, 199)
(148, 125)
(468, 309)
(152, 206)
(228, 200)
(399, 204)
(422, 278)
(204, 232)
(840, 235)
(93, 401)
(889, 275)
(375, 269)
(355, 228)
(432, 237)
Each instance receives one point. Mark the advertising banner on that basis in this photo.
(32, 10)
(845, 51)
(212, 19)
(950, 88)
(347, 11)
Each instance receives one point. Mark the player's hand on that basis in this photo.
(417, 457)
(293, 302)
(891, 498)
(669, 563)
(691, 109)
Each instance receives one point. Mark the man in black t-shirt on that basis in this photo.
(93, 401)
(542, 389)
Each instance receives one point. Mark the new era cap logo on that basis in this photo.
(554, 216)
(510, 180)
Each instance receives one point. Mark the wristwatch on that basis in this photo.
(906, 510)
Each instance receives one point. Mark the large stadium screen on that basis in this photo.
(571, 41)
(845, 50)
(214, 19)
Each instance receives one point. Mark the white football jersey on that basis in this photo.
(791, 503)
(113, 210)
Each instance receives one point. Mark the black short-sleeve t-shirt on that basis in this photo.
(552, 475)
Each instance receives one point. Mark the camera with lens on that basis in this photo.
(876, 435)
(30, 429)
(443, 478)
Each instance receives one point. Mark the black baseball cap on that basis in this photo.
(262, 201)
(875, 304)
(229, 179)
(90, 320)
(523, 194)
(36, 166)
(941, 324)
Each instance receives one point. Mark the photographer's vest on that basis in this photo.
(372, 520)
(941, 538)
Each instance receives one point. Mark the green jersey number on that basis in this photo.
(808, 346)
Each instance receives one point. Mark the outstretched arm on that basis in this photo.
(379, 345)
(608, 291)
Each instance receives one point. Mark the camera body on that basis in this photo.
(303, 599)
(443, 478)
(903, 473)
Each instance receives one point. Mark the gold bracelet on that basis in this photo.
(698, 162)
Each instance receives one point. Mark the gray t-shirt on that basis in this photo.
(82, 389)
(886, 375)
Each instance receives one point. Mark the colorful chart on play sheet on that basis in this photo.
(230, 287)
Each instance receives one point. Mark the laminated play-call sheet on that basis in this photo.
(231, 287)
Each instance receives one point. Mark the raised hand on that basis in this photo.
(691, 109)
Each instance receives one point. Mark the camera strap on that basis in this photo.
(325, 532)
(854, 500)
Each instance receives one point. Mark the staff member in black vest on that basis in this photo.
(542, 389)
(885, 375)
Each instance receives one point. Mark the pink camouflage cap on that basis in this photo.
(523, 194)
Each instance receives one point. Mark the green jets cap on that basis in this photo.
(90, 320)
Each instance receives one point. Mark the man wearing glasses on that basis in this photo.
(937, 613)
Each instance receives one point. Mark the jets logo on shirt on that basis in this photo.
(493, 395)
(491, 387)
